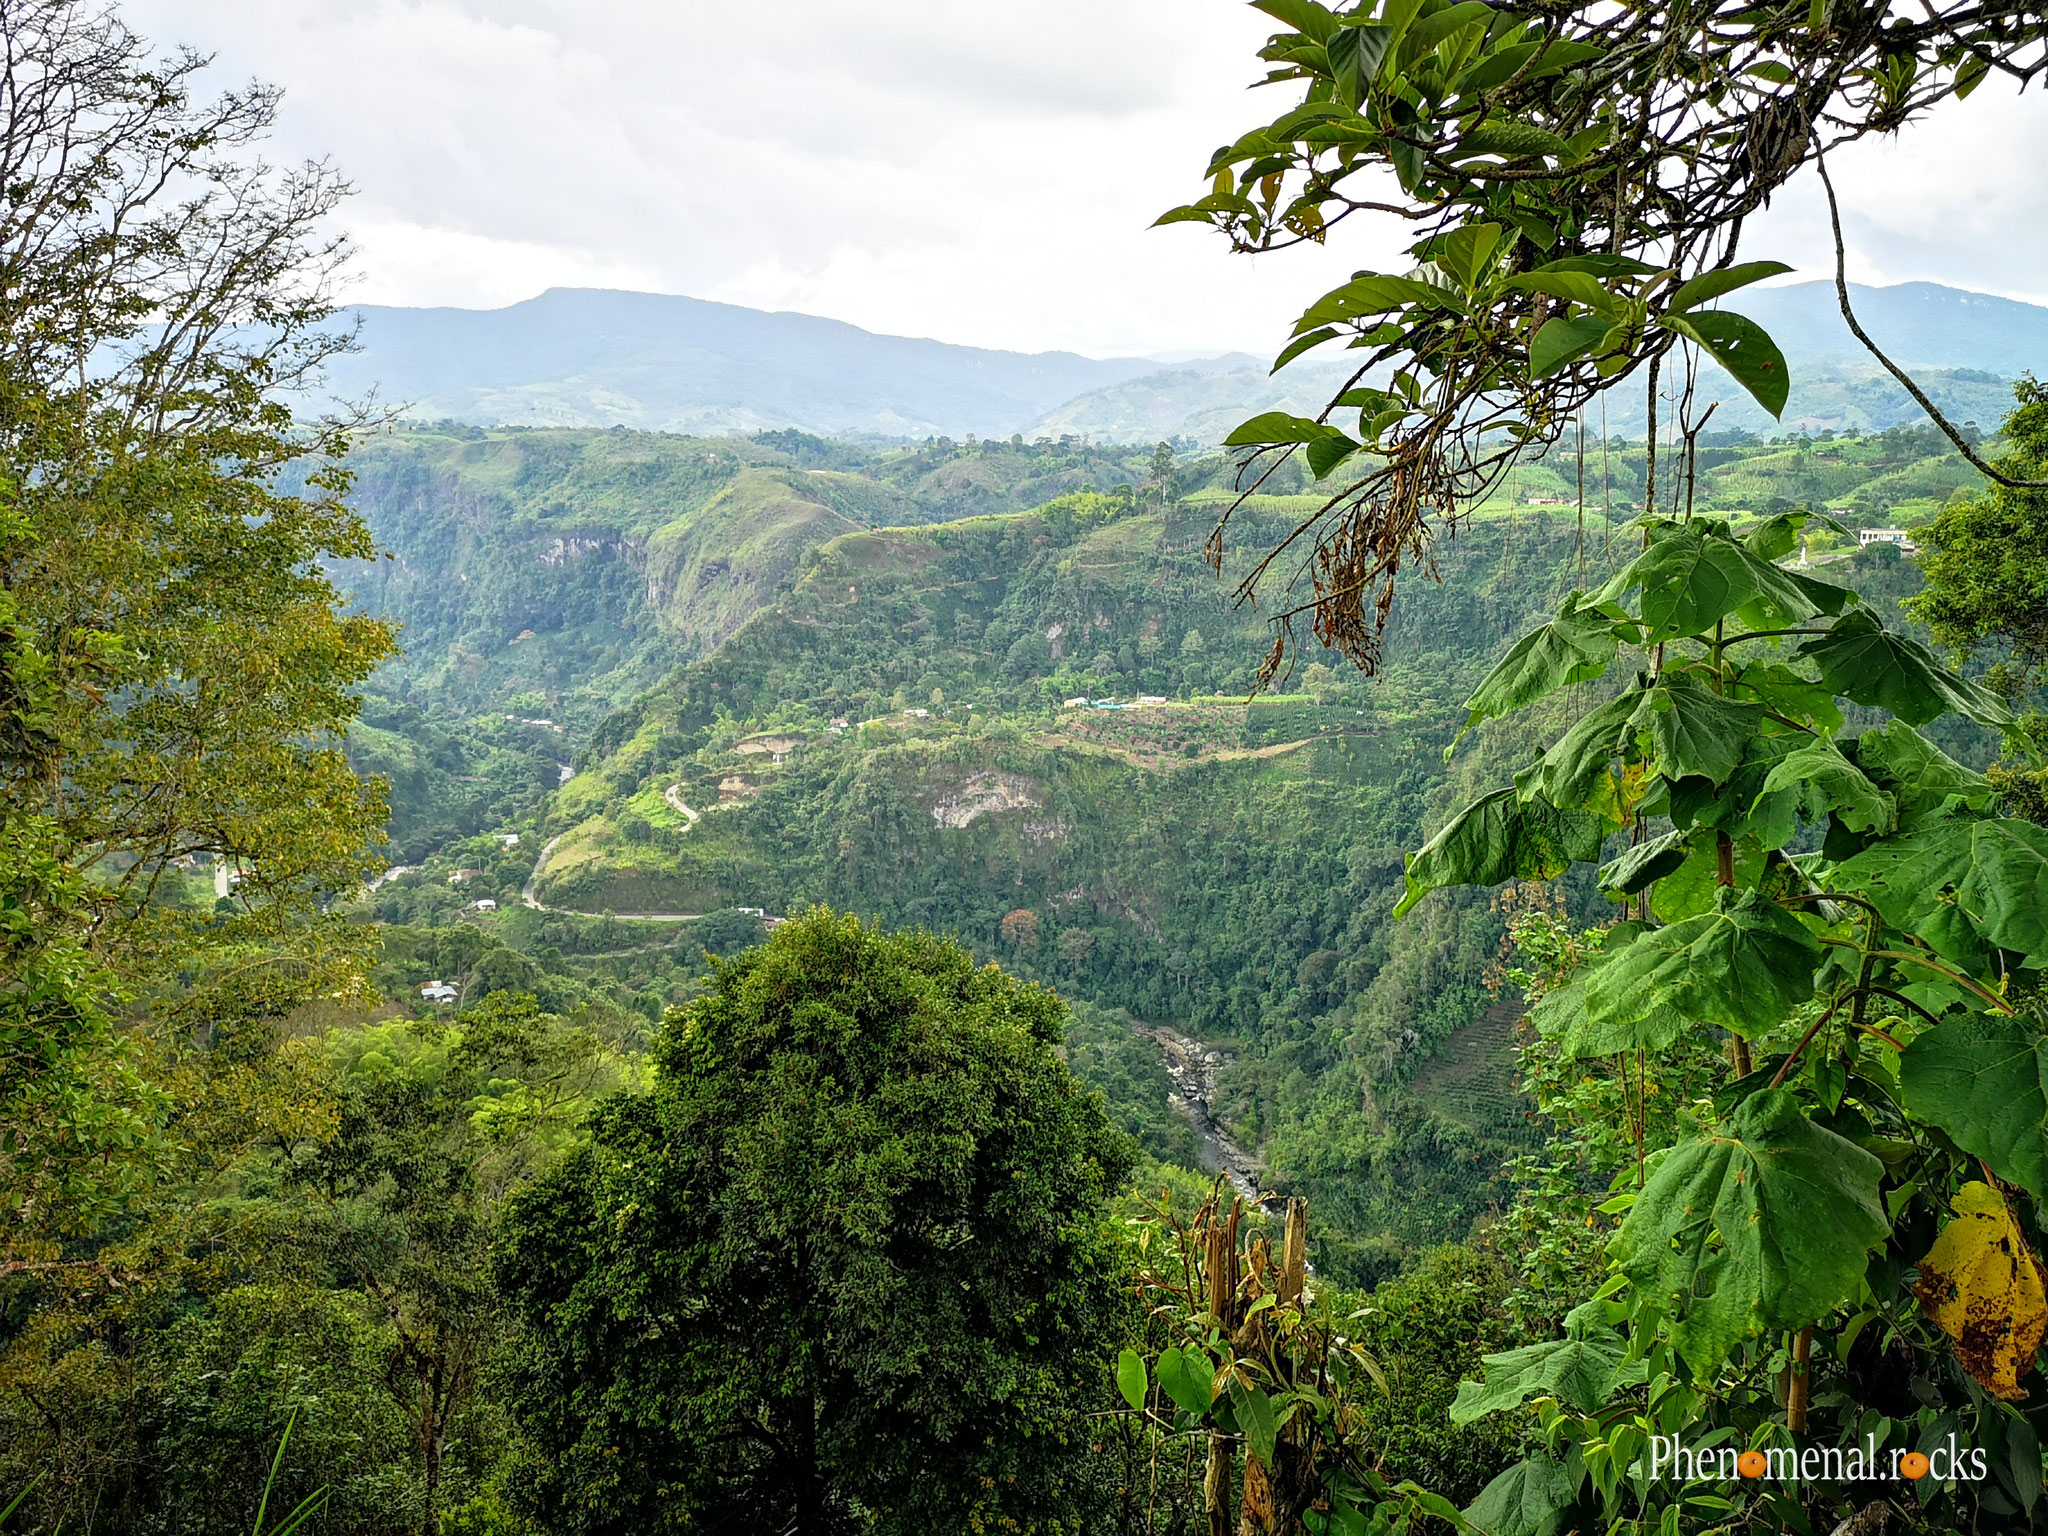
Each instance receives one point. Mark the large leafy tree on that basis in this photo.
(1987, 583)
(838, 1270)
(178, 669)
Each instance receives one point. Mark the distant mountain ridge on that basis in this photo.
(577, 357)
(599, 358)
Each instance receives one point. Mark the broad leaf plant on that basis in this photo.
(1843, 915)
(1845, 912)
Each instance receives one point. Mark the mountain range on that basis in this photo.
(598, 358)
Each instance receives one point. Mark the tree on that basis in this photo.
(1020, 928)
(1986, 564)
(1578, 176)
(1986, 567)
(837, 1269)
(179, 670)
(436, 1126)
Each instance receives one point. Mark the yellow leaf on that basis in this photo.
(1982, 1286)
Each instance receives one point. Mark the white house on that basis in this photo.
(1865, 537)
(483, 904)
(438, 992)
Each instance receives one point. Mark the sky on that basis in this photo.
(979, 173)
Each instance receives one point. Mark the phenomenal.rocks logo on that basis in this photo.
(1947, 1463)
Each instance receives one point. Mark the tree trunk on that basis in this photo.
(1799, 1390)
(810, 1502)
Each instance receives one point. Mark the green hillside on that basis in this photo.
(1221, 867)
(873, 711)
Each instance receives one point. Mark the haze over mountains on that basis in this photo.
(598, 358)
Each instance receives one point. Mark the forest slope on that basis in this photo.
(885, 726)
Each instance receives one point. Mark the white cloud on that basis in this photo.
(1956, 198)
(980, 173)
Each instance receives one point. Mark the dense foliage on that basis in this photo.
(838, 1270)
(584, 1194)
(1578, 177)
(1849, 913)
(178, 674)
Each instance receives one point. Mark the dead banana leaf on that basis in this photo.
(1982, 1286)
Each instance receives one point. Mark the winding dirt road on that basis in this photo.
(529, 893)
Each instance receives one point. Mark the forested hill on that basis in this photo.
(874, 712)
(583, 565)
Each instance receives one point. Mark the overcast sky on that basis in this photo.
(978, 172)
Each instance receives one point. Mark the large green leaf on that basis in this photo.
(1647, 861)
(1693, 731)
(1908, 875)
(1130, 1378)
(1254, 1412)
(1694, 888)
(1185, 1377)
(1984, 1080)
(1812, 781)
(1570, 770)
(2007, 887)
(1996, 870)
(1580, 1370)
(1467, 251)
(1917, 774)
(1780, 689)
(1305, 16)
(1356, 55)
(1693, 576)
(1711, 285)
(1574, 647)
(1501, 837)
(1370, 294)
(1564, 341)
(1326, 453)
(1862, 660)
(1743, 966)
(1279, 427)
(1531, 1498)
(1741, 346)
(1763, 1224)
(1562, 1016)
(1431, 30)
(1566, 283)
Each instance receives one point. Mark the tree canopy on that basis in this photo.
(178, 667)
(837, 1268)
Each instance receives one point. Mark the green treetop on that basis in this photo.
(838, 1269)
